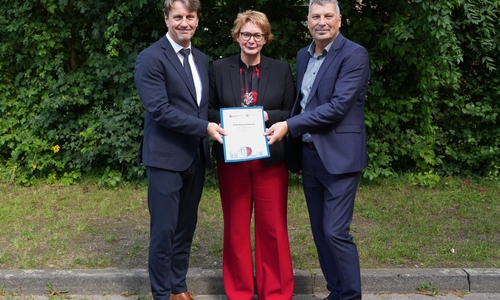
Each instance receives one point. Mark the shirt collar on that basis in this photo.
(176, 46)
(323, 53)
(245, 66)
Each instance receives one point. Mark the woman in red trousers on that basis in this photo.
(259, 186)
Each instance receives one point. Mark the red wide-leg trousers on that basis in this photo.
(253, 185)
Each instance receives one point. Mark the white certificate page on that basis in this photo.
(245, 129)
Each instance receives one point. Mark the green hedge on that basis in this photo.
(70, 108)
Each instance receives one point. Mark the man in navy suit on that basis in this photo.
(328, 142)
(172, 79)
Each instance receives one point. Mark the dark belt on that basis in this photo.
(310, 145)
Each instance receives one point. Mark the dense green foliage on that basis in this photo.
(433, 101)
(70, 109)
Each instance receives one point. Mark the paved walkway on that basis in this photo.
(473, 296)
(385, 297)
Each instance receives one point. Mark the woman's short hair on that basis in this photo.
(258, 18)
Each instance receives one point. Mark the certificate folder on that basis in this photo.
(245, 129)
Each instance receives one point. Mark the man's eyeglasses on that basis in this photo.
(256, 37)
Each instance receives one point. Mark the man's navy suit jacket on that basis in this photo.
(335, 109)
(174, 125)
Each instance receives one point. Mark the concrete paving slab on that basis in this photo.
(484, 280)
(474, 296)
(409, 280)
(209, 281)
(83, 282)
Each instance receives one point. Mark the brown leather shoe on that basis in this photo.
(181, 296)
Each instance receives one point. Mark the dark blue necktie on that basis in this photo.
(187, 67)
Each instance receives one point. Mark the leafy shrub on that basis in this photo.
(70, 109)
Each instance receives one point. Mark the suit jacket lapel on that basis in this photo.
(263, 80)
(302, 60)
(330, 56)
(235, 79)
(175, 61)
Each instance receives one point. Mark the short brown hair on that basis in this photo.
(192, 5)
(258, 18)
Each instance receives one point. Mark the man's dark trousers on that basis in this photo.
(173, 199)
(330, 201)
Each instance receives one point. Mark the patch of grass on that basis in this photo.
(52, 293)
(9, 295)
(396, 224)
(428, 289)
(91, 261)
(56, 227)
(451, 225)
(110, 238)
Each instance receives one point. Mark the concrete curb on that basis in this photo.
(209, 281)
